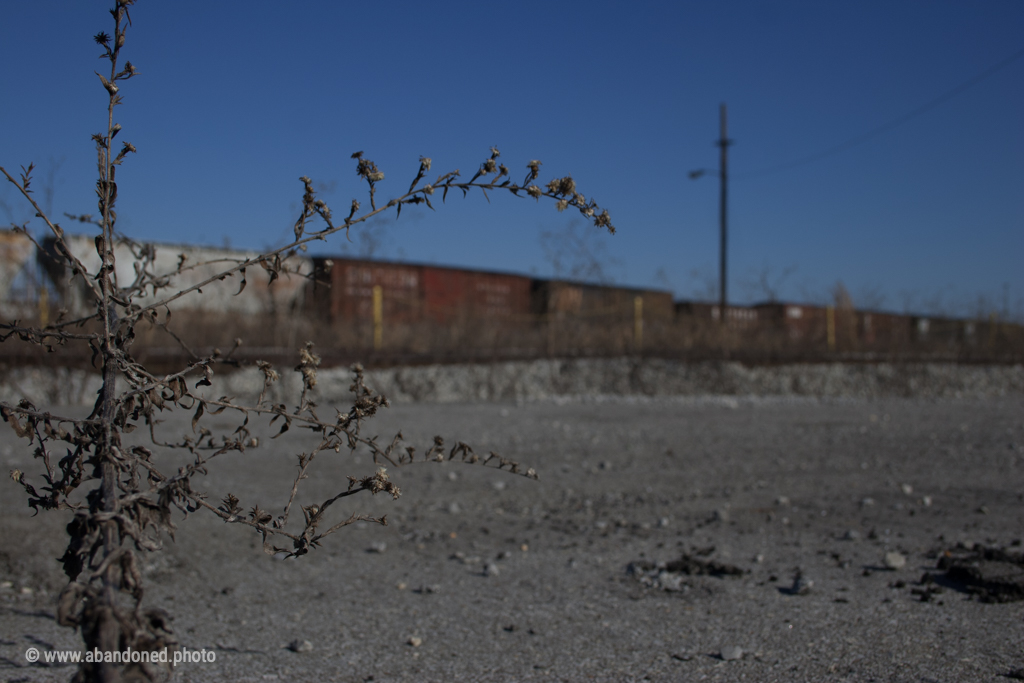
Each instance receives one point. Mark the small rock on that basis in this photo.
(491, 569)
(499, 485)
(867, 502)
(670, 581)
(298, 645)
(454, 508)
(782, 501)
(983, 509)
(721, 515)
(907, 489)
(851, 535)
(926, 501)
(415, 641)
(731, 653)
(801, 584)
(895, 560)
(664, 522)
(377, 547)
(463, 558)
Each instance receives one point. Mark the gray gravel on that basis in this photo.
(580, 379)
(485, 576)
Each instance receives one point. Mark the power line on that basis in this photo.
(852, 142)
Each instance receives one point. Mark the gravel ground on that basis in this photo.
(806, 525)
(541, 380)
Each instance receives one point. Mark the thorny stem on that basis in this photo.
(109, 636)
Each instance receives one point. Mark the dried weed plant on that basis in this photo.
(122, 503)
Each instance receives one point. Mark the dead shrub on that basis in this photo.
(122, 500)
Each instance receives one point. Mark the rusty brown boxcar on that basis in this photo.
(939, 332)
(563, 299)
(451, 293)
(737, 317)
(413, 293)
(883, 330)
(801, 323)
(342, 289)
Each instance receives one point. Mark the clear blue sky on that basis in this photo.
(238, 99)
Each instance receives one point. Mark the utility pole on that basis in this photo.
(723, 176)
(723, 143)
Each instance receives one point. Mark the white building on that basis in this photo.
(197, 264)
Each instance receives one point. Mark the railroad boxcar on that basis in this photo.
(736, 317)
(883, 330)
(564, 299)
(343, 289)
(453, 294)
(800, 323)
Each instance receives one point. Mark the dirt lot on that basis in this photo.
(785, 513)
